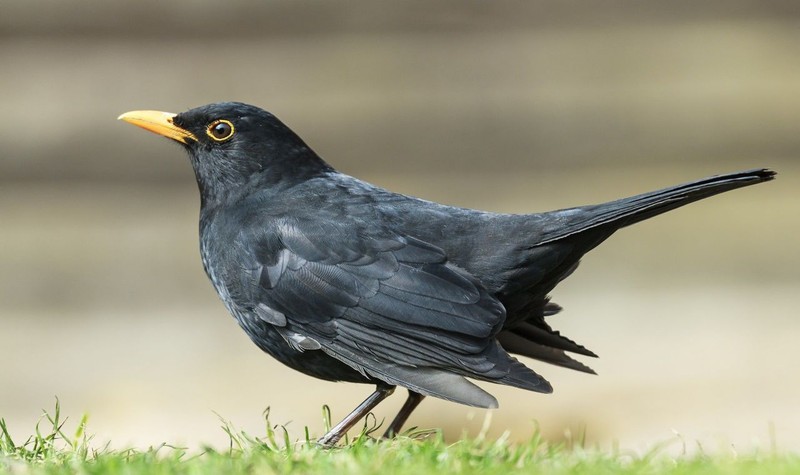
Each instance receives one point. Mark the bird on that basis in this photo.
(346, 281)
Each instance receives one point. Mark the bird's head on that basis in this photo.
(233, 145)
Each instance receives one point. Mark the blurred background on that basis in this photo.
(504, 105)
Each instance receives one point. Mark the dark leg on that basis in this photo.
(411, 403)
(337, 432)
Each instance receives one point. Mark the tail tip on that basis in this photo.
(765, 174)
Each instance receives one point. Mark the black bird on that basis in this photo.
(345, 281)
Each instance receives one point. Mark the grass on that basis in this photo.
(52, 450)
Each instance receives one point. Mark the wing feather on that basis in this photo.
(389, 306)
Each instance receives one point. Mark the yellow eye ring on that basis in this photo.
(220, 130)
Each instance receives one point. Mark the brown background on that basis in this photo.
(504, 105)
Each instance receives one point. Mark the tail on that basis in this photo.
(563, 237)
(637, 208)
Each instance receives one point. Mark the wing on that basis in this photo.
(389, 306)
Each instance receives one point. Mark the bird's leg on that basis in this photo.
(337, 432)
(408, 407)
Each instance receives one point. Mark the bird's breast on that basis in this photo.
(215, 274)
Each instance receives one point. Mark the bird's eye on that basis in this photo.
(220, 130)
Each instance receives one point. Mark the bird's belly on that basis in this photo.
(314, 363)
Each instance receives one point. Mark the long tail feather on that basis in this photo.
(637, 208)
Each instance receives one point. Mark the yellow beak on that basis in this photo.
(159, 123)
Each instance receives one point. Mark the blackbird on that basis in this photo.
(346, 281)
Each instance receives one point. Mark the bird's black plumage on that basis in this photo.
(346, 281)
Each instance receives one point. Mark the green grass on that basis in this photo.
(54, 451)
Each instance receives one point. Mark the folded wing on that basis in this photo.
(389, 306)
